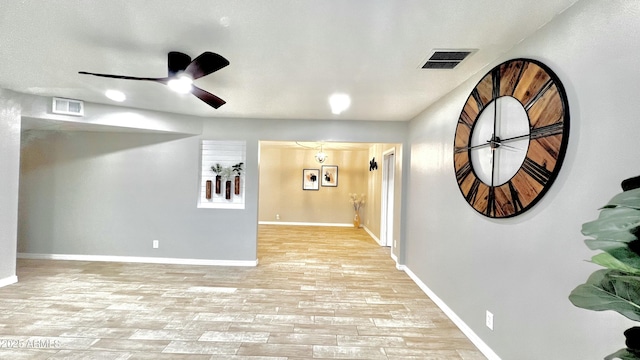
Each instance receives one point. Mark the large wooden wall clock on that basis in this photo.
(511, 138)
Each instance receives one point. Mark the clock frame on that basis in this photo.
(542, 95)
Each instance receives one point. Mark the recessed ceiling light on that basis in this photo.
(116, 95)
(339, 103)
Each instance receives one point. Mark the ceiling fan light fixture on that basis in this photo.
(115, 95)
(181, 84)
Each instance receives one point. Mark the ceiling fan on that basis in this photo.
(182, 72)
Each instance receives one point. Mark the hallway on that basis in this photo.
(317, 293)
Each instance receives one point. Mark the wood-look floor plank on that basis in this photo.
(317, 293)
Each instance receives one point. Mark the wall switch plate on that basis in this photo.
(156, 243)
(489, 320)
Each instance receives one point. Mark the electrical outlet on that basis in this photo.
(489, 320)
(395, 243)
(156, 244)
(277, 216)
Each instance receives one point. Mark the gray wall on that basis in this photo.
(113, 192)
(9, 174)
(522, 269)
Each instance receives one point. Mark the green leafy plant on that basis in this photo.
(617, 286)
(237, 168)
(217, 169)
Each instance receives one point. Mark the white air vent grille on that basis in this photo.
(67, 107)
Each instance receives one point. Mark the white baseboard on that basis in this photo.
(303, 223)
(466, 330)
(8, 281)
(372, 235)
(136, 259)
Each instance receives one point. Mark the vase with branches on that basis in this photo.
(237, 169)
(217, 169)
(227, 174)
(357, 201)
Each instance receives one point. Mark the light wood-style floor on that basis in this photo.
(318, 293)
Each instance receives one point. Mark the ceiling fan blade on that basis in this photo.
(177, 62)
(205, 64)
(207, 97)
(160, 80)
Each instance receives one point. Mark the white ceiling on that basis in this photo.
(287, 56)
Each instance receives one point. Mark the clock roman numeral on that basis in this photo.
(538, 172)
(478, 99)
(462, 173)
(473, 191)
(491, 202)
(515, 198)
(464, 120)
(549, 130)
(495, 75)
(533, 100)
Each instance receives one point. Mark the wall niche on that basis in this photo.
(222, 174)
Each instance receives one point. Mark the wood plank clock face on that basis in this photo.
(511, 138)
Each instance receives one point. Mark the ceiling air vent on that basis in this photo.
(446, 59)
(67, 107)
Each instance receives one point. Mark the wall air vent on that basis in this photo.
(67, 107)
(446, 59)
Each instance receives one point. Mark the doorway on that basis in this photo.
(386, 211)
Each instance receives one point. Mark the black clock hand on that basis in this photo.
(493, 142)
(488, 143)
(500, 144)
(515, 138)
(494, 145)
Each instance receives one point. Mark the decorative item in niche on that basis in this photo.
(237, 169)
(220, 158)
(227, 174)
(208, 194)
(217, 169)
(357, 202)
(617, 286)
(310, 179)
(373, 165)
(329, 175)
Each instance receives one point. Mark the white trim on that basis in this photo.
(302, 223)
(137, 259)
(8, 281)
(375, 238)
(395, 258)
(208, 205)
(466, 330)
(387, 194)
(392, 150)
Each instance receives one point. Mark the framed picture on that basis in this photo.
(329, 175)
(310, 179)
